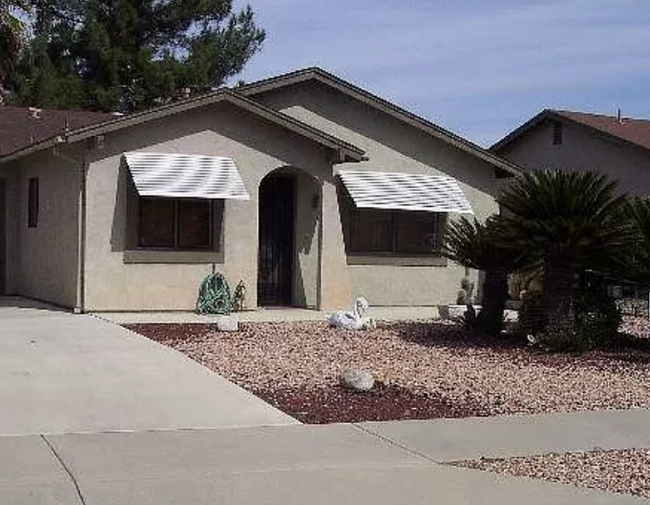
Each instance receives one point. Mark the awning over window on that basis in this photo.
(391, 190)
(185, 175)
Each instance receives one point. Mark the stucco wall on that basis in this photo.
(582, 149)
(10, 173)
(42, 261)
(119, 279)
(392, 145)
(305, 282)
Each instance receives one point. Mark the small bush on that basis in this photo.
(597, 319)
(597, 315)
(469, 320)
(531, 315)
(554, 340)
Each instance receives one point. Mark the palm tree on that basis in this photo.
(567, 222)
(480, 246)
(635, 264)
(11, 30)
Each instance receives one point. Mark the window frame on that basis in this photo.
(215, 213)
(350, 212)
(33, 202)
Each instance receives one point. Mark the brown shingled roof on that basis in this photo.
(633, 131)
(21, 127)
(636, 131)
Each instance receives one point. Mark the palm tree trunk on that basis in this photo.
(493, 302)
(557, 301)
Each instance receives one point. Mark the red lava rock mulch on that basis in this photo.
(384, 403)
(427, 369)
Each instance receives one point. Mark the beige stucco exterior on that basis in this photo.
(42, 261)
(84, 253)
(392, 145)
(118, 278)
(582, 149)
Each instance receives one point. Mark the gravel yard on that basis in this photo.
(621, 471)
(425, 370)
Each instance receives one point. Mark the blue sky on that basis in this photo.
(479, 68)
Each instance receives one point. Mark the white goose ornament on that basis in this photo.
(354, 319)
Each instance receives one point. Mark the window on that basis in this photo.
(32, 202)
(557, 133)
(178, 223)
(369, 231)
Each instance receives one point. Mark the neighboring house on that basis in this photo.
(617, 146)
(309, 189)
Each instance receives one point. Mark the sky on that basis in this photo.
(479, 68)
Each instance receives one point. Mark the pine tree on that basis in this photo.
(11, 31)
(129, 55)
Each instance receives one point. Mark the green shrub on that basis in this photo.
(562, 341)
(597, 315)
(597, 319)
(531, 315)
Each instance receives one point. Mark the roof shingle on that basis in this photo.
(630, 130)
(20, 127)
(636, 131)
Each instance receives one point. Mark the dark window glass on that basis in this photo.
(371, 230)
(176, 223)
(415, 232)
(32, 202)
(157, 222)
(377, 231)
(557, 133)
(194, 224)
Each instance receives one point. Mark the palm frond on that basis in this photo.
(569, 217)
(480, 245)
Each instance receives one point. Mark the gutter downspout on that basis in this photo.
(80, 306)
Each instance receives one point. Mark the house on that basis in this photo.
(306, 187)
(614, 145)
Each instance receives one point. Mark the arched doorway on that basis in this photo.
(277, 208)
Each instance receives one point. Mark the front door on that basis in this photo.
(276, 241)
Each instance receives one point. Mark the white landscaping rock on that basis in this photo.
(357, 380)
(227, 323)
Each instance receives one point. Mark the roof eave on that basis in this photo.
(414, 120)
(520, 130)
(34, 148)
(559, 116)
(352, 152)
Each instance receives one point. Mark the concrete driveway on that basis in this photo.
(92, 414)
(65, 373)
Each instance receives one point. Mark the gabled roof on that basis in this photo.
(629, 130)
(22, 127)
(321, 76)
(347, 151)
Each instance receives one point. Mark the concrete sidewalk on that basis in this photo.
(64, 373)
(290, 465)
(501, 436)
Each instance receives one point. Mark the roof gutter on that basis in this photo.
(222, 95)
(34, 148)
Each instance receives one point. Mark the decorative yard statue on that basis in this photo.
(215, 296)
(354, 319)
(465, 292)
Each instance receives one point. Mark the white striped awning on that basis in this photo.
(393, 190)
(185, 176)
